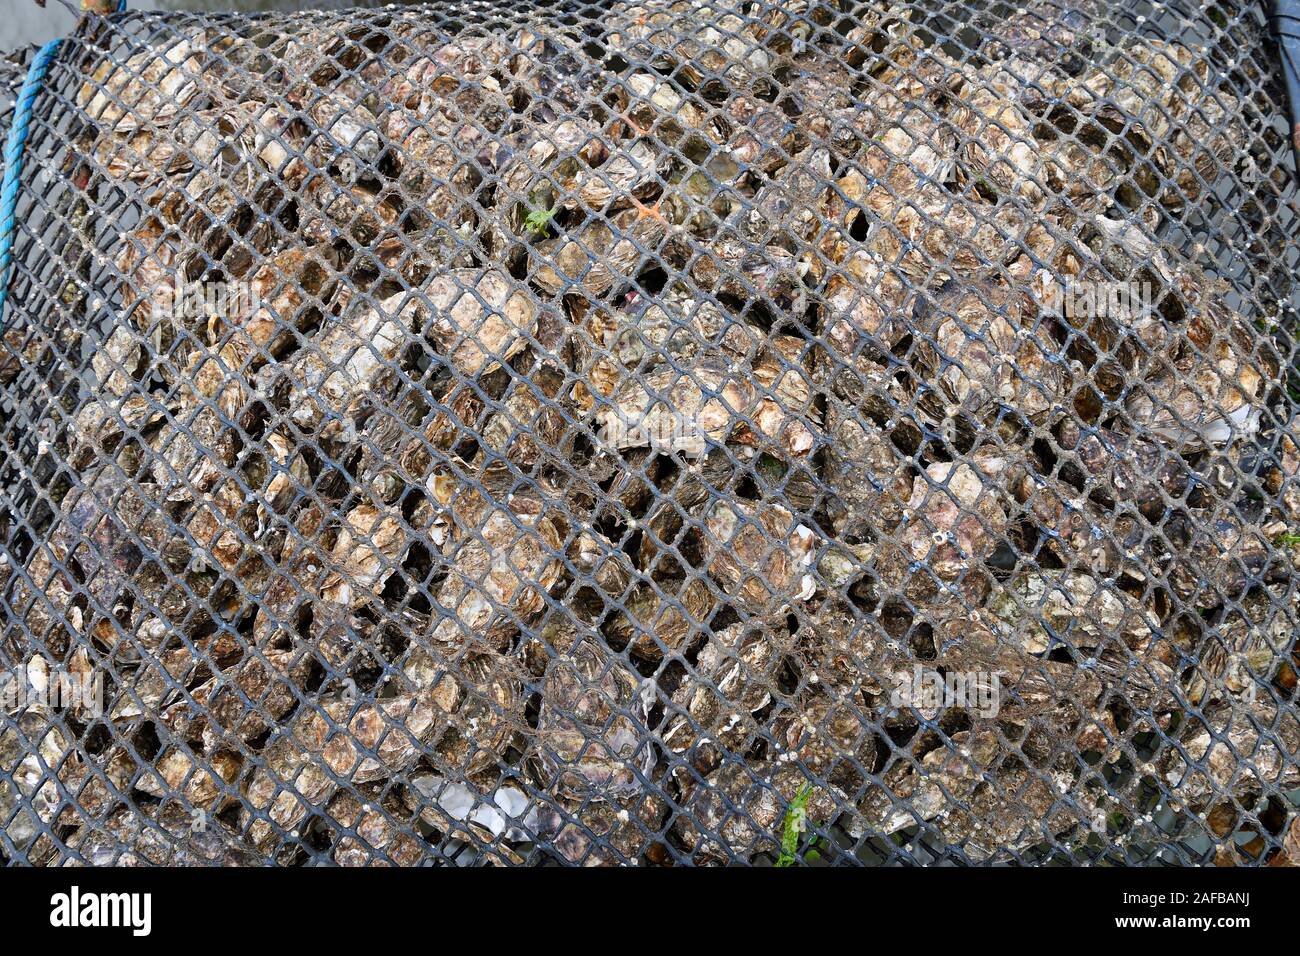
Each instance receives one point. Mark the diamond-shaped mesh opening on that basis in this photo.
(654, 432)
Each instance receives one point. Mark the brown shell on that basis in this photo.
(982, 352)
(499, 575)
(161, 836)
(370, 544)
(378, 840)
(956, 518)
(479, 320)
(665, 384)
(732, 681)
(351, 364)
(829, 735)
(627, 835)
(603, 253)
(1078, 608)
(150, 88)
(676, 37)
(654, 625)
(489, 718)
(870, 477)
(760, 555)
(591, 735)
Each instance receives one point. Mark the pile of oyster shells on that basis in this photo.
(625, 409)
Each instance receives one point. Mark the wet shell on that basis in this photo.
(871, 478)
(427, 150)
(1218, 559)
(760, 555)
(271, 679)
(499, 575)
(571, 167)
(678, 411)
(865, 307)
(654, 624)
(29, 797)
(1196, 401)
(732, 681)
(1127, 468)
(151, 88)
(626, 411)
(489, 718)
(338, 737)
(715, 401)
(370, 545)
(592, 735)
(1073, 607)
(829, 736)
(161, 836)
(350, 365)
(1214, 738)
(602, 254)
(728, 46)
(478, 320)
(956, 517)
(1241, 656)
(982, 353)
(378, 840)
(602, 834)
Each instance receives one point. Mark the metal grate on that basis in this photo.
(660, 432)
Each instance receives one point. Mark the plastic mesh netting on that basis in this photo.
(680, 431)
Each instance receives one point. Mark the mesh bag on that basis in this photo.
(681, 431)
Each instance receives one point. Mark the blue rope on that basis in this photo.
(14, 146)
(13, 159)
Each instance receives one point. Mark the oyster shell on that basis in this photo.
(954, 523)
(592, 733)
(715, 401)
(1070, 606)
(602, 834)
(760, 555)
(498, 578)
(722, 44)
(982, 353)
(352, 364)
(602, 254)
(150, 88)
(654, 626)
(731, 683)
(478, 321)
(161, 836)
